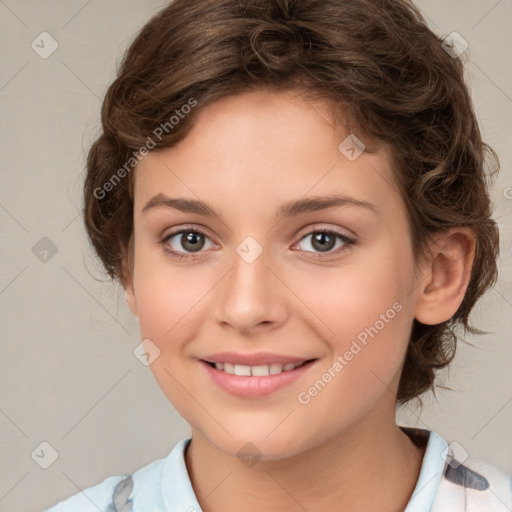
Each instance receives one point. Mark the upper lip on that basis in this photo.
(255, 359)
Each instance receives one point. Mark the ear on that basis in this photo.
(447, 275)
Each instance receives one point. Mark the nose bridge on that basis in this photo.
(249, 290)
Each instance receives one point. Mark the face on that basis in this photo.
(334, 285)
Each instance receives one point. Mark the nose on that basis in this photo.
(252, 296)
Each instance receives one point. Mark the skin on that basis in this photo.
(247, 155)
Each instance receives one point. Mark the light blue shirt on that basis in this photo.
(447, 482)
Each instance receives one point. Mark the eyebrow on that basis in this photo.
(290, 209)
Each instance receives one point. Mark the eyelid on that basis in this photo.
(187, 227)
(319, 227)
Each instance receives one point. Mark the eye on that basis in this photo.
(324, 241)
(192, 240)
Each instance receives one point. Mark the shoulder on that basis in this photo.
(450, 480)
(479, 485)
(114, 493)
(92, 499)
(161, 485)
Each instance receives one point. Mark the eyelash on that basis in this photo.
(179, 255)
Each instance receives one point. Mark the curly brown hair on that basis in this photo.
(381, 69)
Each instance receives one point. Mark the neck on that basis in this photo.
(371, 465)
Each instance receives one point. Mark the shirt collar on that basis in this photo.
(431, 472)
(176, 488)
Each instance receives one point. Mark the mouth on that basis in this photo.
(256, 375)
(257, 371)
(256, 381)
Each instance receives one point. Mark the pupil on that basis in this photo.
(320, 239)
(192, 239)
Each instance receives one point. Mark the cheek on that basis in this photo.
(167, 297)
(366, 319)
(354, 297)
(168, 305)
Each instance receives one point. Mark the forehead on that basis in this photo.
(262, 146)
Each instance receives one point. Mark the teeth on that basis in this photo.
(256, 371)
(275, 368)
(241, 369)
(260, 371)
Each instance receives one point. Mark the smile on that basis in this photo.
(255, 371)
(258, 381)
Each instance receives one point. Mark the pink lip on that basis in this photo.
(255, 359)
(255, 387)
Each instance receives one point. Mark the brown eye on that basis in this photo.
(190, 240)
(324, 241)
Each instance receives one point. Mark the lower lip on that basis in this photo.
(255, 387)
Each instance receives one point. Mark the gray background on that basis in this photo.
(68, 375)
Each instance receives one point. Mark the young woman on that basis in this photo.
(292, 193)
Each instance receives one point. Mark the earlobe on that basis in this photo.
(127, 276)
(130, 298)
(448, 276)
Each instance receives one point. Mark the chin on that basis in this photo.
(260, 447)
